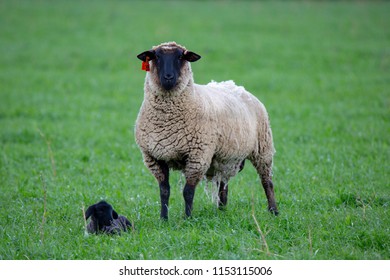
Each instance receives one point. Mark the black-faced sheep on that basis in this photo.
(202, 130)
(104, 219)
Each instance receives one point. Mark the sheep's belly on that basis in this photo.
(223, 171)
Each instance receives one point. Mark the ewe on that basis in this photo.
(202, 130)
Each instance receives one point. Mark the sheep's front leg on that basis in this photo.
(188, 194)
(193, 176)
(164, 191)
(160, 170)
(194, 172)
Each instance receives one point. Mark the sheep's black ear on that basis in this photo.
(90, 211)
(191, 56)
(151, 54)
(114, 214)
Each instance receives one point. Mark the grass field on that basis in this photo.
(71, 87)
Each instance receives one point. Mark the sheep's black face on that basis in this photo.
(169, 62)
(168, 67)
(102, 213)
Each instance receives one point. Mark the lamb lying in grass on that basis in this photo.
(104, 219)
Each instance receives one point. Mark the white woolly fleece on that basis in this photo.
(203, 130)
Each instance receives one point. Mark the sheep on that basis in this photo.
(206, 131)
(104, 219)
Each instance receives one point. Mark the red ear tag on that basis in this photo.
(145, 65)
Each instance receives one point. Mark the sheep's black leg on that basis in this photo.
(269, 192)
(164, 197)
(188, 194)
(194, 172)
(264, 169)
(164, 190)
(223, 195)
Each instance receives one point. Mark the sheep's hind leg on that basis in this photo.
(269, 192)
(222, 195)
(224, 190)
(264, 169)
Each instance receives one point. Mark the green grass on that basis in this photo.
(71, 87)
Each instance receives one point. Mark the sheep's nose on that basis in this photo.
(168, 77)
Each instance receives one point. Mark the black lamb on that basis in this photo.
(104, 219)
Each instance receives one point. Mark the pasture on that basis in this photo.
(71, 87)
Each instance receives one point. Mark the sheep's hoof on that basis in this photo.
(188, 218)
(274, 211)
(164, 218)
(222, 207)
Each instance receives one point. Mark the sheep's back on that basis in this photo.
(235, 114)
